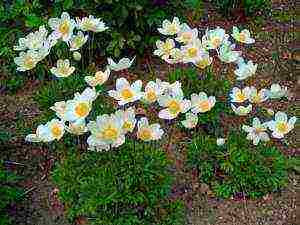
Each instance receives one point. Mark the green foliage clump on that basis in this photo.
(126, 186)
(237, 167)
(8, 193)
(194, 81)
(250, 7)
(59, 90)
(63, 90)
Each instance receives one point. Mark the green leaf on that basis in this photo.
(68, 4)
(33, 21)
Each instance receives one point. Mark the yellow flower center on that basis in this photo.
(126, 93)
(216, 42)
(240, 97)
(151, 96)
(127, 125)
(110, 133)
(82, 109)
(192, 52)
(64, 28)
(174, 107)
(28, 62)
(242, 37)
(203, 63)
(167, 47)
(145, 134)
(56, 130)
(204, 105)
(282, 127)
(172, 29)
(64, 70)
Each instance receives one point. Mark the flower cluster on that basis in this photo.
(110, 131)
(168, 95)
(254, 96)
(106, 132)
(280, 126)
(37, 45)
(186, 46)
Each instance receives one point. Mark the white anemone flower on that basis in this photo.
(165, 85)
(91, 24)
(170, 28)
(192, 51)
(281, 125)
(241, 110)
(63, 68)
(99, 78)
(201, 103)
(214, 38)
(173, 89)
(190, 121)
(240, 95)
(77, 41)
(256, 96)
(128, 118)
(123, 64)
(80, 106)
(27, 60)
(174, 105)
(62, 27)
(152, 92)
(106, 132)
(164, 49)
(243, 36)
(203, 60)
(148, 132)
(33, 40)
(125, 92)
(227, 54)
(186, 34)
(221, 141)
(257, 132)
(245, 70)
(78, 127)
(176, 56)
(277, 91)
(60, 109)
(52, 130)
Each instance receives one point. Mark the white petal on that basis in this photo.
(121, 83)
(165, 114)
(281, 116)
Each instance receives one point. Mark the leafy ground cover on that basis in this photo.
(275, 41)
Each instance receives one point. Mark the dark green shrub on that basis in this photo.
(8, 193)
(238, 167)
(133, 25)
(249, 7)
(129, 185)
